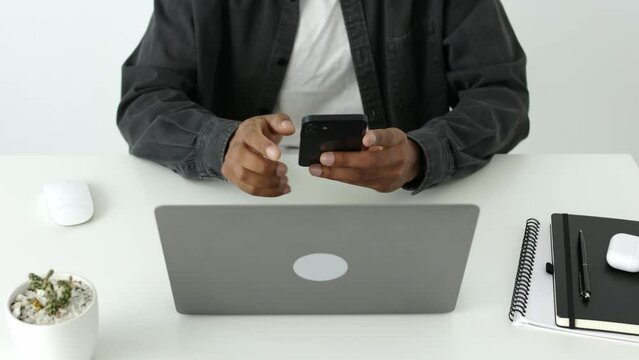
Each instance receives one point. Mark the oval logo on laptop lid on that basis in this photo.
(320, 267)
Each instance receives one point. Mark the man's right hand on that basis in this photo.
(251, 161)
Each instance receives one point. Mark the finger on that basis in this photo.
(265, 192)
(346, 175)
(256, 140)
(240, 174)
(361, 159)
(384, 137)
(280, 124)
(254, 162)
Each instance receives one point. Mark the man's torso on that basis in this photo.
(244, 49)
(320, 78)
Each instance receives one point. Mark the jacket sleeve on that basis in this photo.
(486, 72)
(158, 116)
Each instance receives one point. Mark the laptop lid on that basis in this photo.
(302, 259)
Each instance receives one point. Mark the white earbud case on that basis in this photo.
(623, 252)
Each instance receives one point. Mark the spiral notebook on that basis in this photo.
(533, 302)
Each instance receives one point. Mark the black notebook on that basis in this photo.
(614, 304)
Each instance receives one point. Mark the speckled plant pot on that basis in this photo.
(74, 339)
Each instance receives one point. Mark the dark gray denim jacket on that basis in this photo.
(205, 65)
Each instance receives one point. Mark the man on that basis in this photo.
(442, 82)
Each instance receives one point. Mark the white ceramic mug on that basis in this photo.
(74, 339)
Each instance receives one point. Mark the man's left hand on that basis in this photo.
(389, 160)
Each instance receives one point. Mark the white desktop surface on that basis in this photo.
(120, 252)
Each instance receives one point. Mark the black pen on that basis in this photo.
(584, 275)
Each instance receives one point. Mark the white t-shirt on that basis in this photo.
(320, 78)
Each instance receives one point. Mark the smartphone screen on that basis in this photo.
(322, 133)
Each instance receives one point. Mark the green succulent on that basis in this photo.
(58, 294)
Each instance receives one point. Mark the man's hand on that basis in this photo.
(251, 161)
(388, 161)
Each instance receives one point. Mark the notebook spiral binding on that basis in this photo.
(523, 278)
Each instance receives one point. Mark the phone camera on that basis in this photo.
(316, 128)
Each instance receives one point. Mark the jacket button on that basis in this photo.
(391, 46)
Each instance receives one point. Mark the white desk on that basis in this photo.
(119, 251)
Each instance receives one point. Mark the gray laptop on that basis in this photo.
(342, 259)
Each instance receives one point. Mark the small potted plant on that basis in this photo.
(54, 317)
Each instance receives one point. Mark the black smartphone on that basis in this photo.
(322, 133)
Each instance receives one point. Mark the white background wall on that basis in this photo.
(60, 73)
